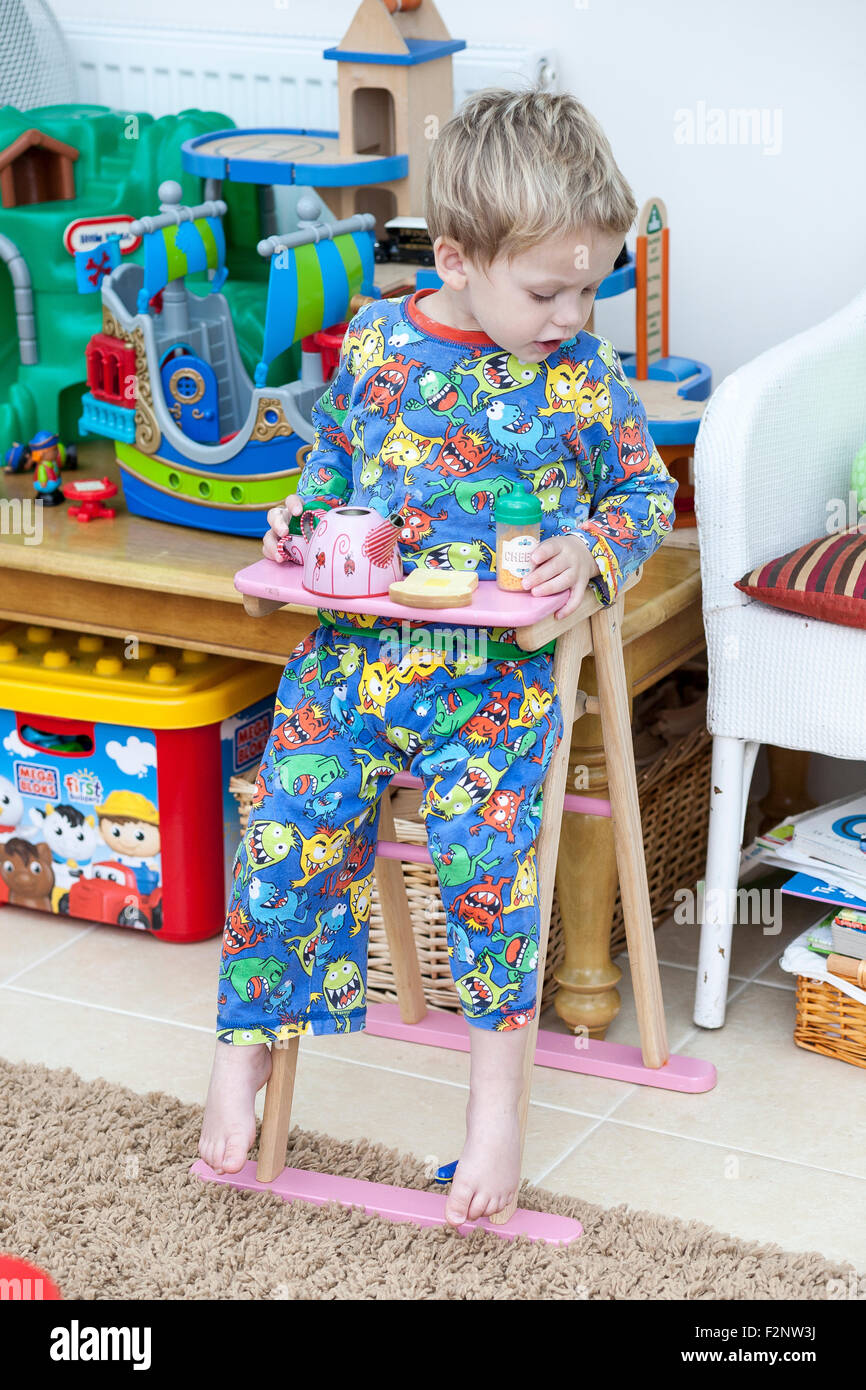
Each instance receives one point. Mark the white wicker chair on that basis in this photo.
(775, 447)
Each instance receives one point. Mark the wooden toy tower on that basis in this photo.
(395, 89)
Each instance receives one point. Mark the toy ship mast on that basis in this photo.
(171, 279)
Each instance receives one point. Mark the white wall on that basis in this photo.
(763, 244)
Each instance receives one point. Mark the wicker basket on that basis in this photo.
(829, 1021)
(674, 790)
(674, 795)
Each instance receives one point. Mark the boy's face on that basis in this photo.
(537, 300)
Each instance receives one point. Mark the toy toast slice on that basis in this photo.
(434, 588)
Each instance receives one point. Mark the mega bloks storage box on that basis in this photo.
(115, 762)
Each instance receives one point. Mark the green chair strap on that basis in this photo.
(508, 651)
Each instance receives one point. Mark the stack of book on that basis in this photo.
(848, 958)
(826, 847)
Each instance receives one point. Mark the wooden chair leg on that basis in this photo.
(628, 837)
(277, 1116)
(279, 1092)
(566, 669)
(398, 924)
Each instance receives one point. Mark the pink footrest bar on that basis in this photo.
(562, 1051)
(400, 1204)
(407, 854)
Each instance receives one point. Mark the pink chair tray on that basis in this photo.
(490, 606)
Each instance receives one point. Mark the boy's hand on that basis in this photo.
(278, 520)
(560, 563)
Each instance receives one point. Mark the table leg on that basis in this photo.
(587, 999)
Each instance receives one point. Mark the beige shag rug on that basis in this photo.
(95, 1189)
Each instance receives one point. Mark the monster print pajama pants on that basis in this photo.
(480, 734)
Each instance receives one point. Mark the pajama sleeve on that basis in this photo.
(327, 470)
(631, 491)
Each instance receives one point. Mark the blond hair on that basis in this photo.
(511, 169)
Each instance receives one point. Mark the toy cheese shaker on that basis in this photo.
(518, 532)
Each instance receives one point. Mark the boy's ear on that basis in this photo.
(449, 260)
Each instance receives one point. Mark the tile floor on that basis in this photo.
(775, 1152)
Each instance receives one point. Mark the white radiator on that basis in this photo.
(256, 79)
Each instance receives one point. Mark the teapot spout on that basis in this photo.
(380, 544)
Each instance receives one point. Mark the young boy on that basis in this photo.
(442, 402)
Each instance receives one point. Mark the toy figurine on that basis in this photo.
(445, 1174)
(43, 447)
(17, 458)
(46, 455)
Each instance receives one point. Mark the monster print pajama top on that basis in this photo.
(435, 424)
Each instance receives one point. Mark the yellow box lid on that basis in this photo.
(116, 680)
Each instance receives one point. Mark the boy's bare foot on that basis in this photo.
(488, 1174)
(229, 1126)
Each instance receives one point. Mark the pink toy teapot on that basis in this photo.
(347, 552)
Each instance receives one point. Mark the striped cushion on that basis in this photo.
(826, 578)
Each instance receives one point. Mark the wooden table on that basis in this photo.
(168, 584)
(131, 576)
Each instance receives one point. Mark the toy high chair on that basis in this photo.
(590, 629)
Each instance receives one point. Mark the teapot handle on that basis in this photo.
(308, 522)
